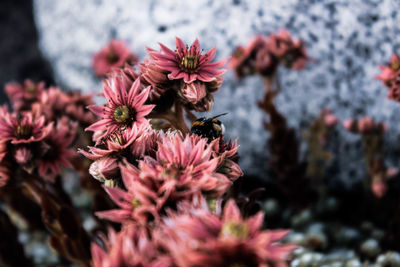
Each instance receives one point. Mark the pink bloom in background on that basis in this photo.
(24, 129)
(187, 63)
(76, 107)
(55, 151)
(51, 104)
(279, 43)
(292, 53)
(329, 118)
(155, 76)
(22, 95)
(394, 90)
(264, 54)
(200, 238)
(366, 124)
(124, 107)
(394, 93)
(390, 71)
(379, 187)
(114, 55)
(244, 58)
(350, 125)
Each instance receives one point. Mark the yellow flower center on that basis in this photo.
(24, 131)
(136, 203)
(238, 52)
(190, 62)
(122, 114)
(235, 229)
(212, 204)
(395, 65)
(31, 89)
(112, 57)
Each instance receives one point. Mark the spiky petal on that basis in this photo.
(187, 63)
(114, 55)
(200, 238)
(124, 108)
(26, 128)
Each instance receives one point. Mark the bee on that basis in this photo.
(210, 128)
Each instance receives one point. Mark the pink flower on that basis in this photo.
(194, 92)
(187, 63)
(391, 172)
(114, 55)
(379, 187)
(52, 103)
(190, 159)
(279, 43)
(366, 124)
(76, 105)
(132, 246)
(23, 95)
(200, 238)
(350, 125)
(265, 63)
(292, 53)
(394, 93)
(183, 169)
(329, 119)
(124, 109)
(24, 129)
(244, 58)
(153, 75)
(119, 142)
(390, 71)
(55, 149)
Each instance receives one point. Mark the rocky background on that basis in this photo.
(346, 39)
(19, 52)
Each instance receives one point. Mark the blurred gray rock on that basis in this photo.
(347, 40)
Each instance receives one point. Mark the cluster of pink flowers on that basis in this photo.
(264, 54)
(372, 133)
(115, 55)
(38, 135)
(195, 236)
(169, 185)
(390, 77)
(365, 125)
(189, 72)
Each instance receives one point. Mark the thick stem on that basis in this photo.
(180, 118)
(176, 119)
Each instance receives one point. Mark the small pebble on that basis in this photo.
(370, 248)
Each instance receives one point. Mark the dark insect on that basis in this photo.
(210, 128)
